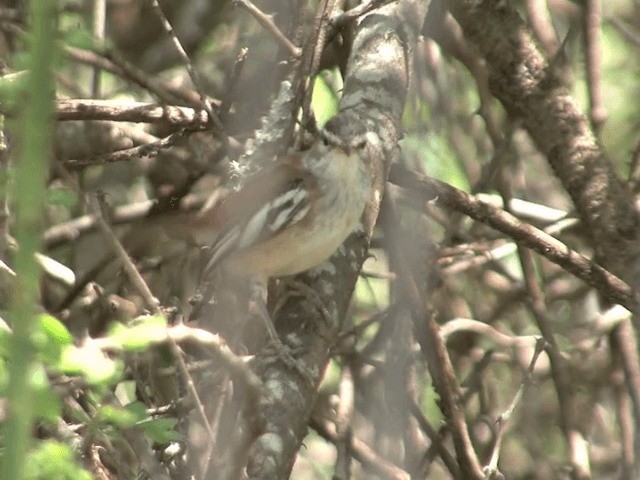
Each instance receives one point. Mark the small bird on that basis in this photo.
(290, 216)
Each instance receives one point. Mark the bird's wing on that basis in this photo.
(269, 201)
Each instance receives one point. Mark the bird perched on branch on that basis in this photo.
(289, 216)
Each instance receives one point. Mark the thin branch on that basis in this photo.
(111, 62)
(147, 150)
(491, 469)
(433, 347)
(143, 289)
(592, 19)
(625, 415)
(535, 97)
(230, 95)
(237, 366)
(578, 454)
(125, 111)
(99, 27)
(533, 238)
(369, 459)
(626, 350)
(267, 23)
(437, 441)
(344, 417)
(542, 26)
(204, 99)
(311, 64)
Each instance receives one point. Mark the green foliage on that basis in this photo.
(53, 460)
(50, 337)
(47, 405)
(12, 89)
(62, 197)
(324, 101)
(439, 160)
(35, 141)
(159, 430)
(139, 337)
(125, 417)
(91, 362)
(78, 36)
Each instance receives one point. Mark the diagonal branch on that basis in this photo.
(530, 236)
(533, 95)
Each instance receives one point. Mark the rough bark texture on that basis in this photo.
(372, 102)
(534, 96)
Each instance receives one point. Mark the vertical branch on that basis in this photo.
(432, 345)
(579, 456)
(30, 196)
(592, 19)
(204, 99)
(99, 24)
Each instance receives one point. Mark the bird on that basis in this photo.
(289, 216)
(285, 218)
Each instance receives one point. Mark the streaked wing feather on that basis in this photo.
(265, 205)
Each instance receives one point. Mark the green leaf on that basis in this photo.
(53, 460)
(324, 101)
(62, 197)
(160, 430)
(439, 160)
(12, 88)
(55, 330)
(90, 362)
(47, 405)
(50, 336)
(125, 417)
(79, 38)
(138, 338)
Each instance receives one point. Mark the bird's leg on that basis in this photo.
(258, 293)
(296, 288)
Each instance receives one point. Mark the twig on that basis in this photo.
(111, 62)
(592, 18)
(204, 99)
(229, 96)
(533, 238)
(69, 231)
(143, 289)
(626, 349)
(481, 328)
(369, 459)
(626, 31)
(434, 349)
(625, 415)
(437, 441)
(344, 417)
(99, 24)
(124, 111)
(542, 26)
(339, 21)
(491, 469)
(577, 445)
(268, 24)
(310, 69)
(147, 150)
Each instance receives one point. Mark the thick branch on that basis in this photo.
(130, 112)
(529, 89)
(372, 103)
